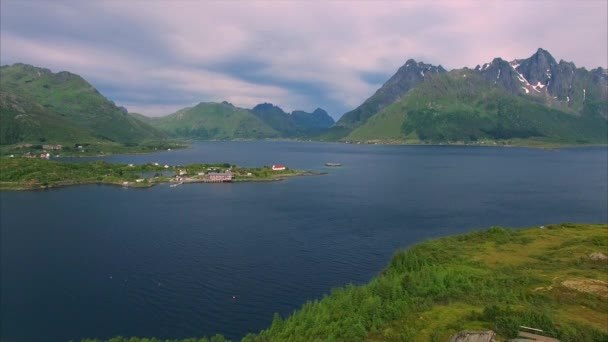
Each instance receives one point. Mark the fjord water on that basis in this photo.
(102, 261)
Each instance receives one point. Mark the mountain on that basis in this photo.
(296, 124)
(406, 78)
(225, 121)
(214, 121)
(39, 105)
(24, 120)
(561, 85)
(276, 118)
(316, 121)
(529, 101)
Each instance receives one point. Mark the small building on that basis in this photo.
(52, 147)
(218, 177)
(183, 172)
(278, 167)
(45, 155)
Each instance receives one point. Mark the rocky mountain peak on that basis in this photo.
(539, 68)
(412, 66)
(407, 77)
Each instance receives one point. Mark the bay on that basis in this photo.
(199, 259)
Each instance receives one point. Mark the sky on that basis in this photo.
(155, 57)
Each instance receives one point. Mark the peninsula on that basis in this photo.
(551, 278)
(35, 173)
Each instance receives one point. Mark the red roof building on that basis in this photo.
(278, 167)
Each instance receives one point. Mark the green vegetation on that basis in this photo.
(216, 338)
(497, 279)
(95, 148)
(72, 98)
(450, 108)
(24, 120)
(207, 121)
(35, 173)
(224, 121)
(41, 107)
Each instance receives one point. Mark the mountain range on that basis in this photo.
(529, 101)
(535, 99)
(210, 120)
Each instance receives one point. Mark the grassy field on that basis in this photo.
(495, 279)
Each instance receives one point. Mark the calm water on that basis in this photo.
(101, 261)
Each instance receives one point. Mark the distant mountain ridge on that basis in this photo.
(527, 101)
(213, 120)
(298, 123)
(535, 98)
(210, 120)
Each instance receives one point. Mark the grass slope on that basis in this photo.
(494, 279)
(461, 107)
(25, 121)
(214, 121)
(71, 97)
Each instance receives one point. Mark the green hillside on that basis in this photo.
(462, 107)
(214, 121)
(552, 278)
(534, 101)
(70, 97)
(497, 279)
(25, 121)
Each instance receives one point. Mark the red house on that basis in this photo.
(278, 167)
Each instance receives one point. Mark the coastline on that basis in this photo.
(31, 186)
(186, 144)
(551, 278)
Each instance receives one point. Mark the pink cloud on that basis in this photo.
(324, 44)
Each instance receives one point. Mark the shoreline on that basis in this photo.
(541, 145)
(22, 186)
(472, 281)
(188, 144)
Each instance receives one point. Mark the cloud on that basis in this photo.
(158, 56)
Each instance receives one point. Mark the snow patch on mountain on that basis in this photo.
(520, 77)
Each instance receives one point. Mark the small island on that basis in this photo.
(35, 174)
